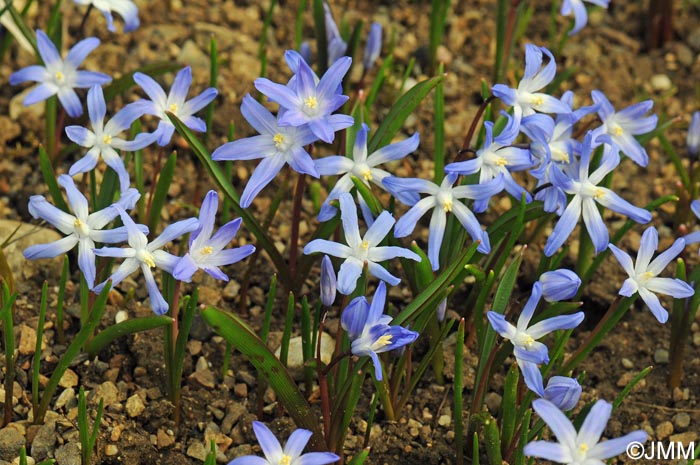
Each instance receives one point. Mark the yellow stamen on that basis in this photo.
(365, 244)
(367, 174)
(207, 250)
(382, 341)
(173, 108)
(647, 274)
(311, 102)
(145, 256)
(285, 460)
(617, 130)
(278, 139)
(59, 77)
(528, 341)
(537, 101)
(107, 139)
(598, 193)
(500, 161)
(583, 448)
(447, 205)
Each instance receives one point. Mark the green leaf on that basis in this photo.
(366, 193)
(230, 193)
(50, 180)
(114, 332)
(628, 388)
(399, 112)
(126, 82)
(242, 337)
(165, 178)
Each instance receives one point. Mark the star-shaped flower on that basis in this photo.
(82, 228)
(103, 140)
(361, 250)
(126, 8)
(584, 447)
(60, 77)
(206, 251)
(643, 275)
(175, 102)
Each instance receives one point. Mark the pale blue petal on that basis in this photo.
(301, 161)
(633, 149)
(185, 268)
(349, 273)
(258, 116)
(181, 85)
(580, 16)
(195, 104)
(338, 122)
(380, 254)
(593, 426)
(354, 317)
(379, 229)
(555, 323)
(530, 307)
(605, 108)
(70, 101)
(225, 234)
(376, 308)
(595, 226)
(332, 78)
(296, 443)
(469, 222)
(535, 352)
(379, 272)
(126, 268)
(545, 450)
(408, 221)
(249, 460)
(230, 256)
(617, 204)
(47, 50)
(664, 258)
(81, 136)
(151, 88)
(76, 200)
(407, 189)
(558, 285)
(348, 216)
(557, 422)
(563, 392)
(86, 261)
(438, 222)
(158, 303)
(123, 118)
(334, 165)
(629, 287)
(278, 93)
(395, 151)
(250, 148)
(115, 252)
(81, 50)
(654, 305)
(165, 261)
(173, 231)
(265, 172)
(614, 447)
(207, 217)
(670, 286)
(85, 79)
(39, 207)
(327, 247)
(39, 93)
(30, 73)
(647, 247)
(321, 129)
(532, 377)
(317, 458)
(500, 325)
(50, 250)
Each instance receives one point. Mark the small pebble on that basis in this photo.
(111, 450)
(627, 363)
(681, 421)
(661, 82)
(444, 420)
(134, 406)
(661, 356)
(664, 430)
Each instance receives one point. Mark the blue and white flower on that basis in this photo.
(127, 9)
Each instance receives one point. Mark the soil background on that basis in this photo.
(609, 55)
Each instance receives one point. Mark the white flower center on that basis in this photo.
(285, 459)
(445, 200)
(107, 139)
(144, 256)
(523, 339)
(81, 228)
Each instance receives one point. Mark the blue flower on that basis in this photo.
(622, 126)
(562, 391)
(328, 282)
(524, 337)
(290, 455)
(276, 145)
(442, 200)
(144, 255)
(643, 274)
(361, 166)
(586, 193)
(369, 330)
(361, 250)
(579, 11)
(583, 447)
(60, 77)
(558, 285)
(206, 251)
(693, 237)
(126, 8)
(693, 137)
(374, 46)
(526, 99)
(81, 228)
(103, 140)
(497, 157)
(175, 102)
(336, 44)
(310, 101)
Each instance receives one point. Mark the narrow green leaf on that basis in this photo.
(366, 193)
(492, 441)
(165, 178)
(399, 112)
(628, 388)
(124, 328)
(50, 180)
(224, 184)
(509, 405)
(241, 336)
(321, 40)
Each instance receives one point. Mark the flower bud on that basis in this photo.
(559, 285)
(305, 52)
(328, 282)
(442, 308)
(563, 392)
(693, 138)
(374, 46)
